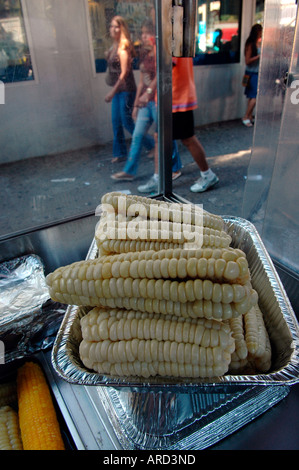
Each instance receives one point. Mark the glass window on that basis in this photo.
(15, 60)
(259, 11)
(101, 13)
(60, 140)
(219, 25)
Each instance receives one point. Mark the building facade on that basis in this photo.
(53, 68)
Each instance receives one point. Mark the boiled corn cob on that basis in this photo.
(198, 309)
(108, 247)
(159, 225)
(255, 332)
(108, 239)
(263, 363)
(237, 327)
(117, 324)
(222, 265)
(173, 275)
(37, 416)
(145, 229)
(10, 438)
(253, 348)
(119, 203)
(8, 393)
(121, 342)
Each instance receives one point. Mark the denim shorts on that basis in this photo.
(251, 89)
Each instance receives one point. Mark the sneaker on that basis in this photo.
(202, 184)
(150, 186)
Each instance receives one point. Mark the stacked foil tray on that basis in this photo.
(167, 413)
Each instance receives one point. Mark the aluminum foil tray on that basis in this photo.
(279, 317)
(177, 421)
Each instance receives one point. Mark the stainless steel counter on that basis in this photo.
(91, 429)
(82, 406)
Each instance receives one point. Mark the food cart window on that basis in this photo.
(219, 25)
(56, 128)
(15, 59)
(259, 11)
(100, 14)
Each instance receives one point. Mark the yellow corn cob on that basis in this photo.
(160, 210)
(37, 416)
(10, 438)
(121, 342)
(8, 393)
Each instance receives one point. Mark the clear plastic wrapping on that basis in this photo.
(29, 319)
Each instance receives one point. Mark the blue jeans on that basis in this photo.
(121, 110)
(145, 118)
(176, 159)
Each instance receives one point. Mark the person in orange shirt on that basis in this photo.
(184, 101)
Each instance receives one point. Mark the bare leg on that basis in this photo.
(208, 178)
(197, 152)
(250, 108)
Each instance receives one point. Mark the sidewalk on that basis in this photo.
(48, 189)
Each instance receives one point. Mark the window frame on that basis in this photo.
(216, 58)
(27, 30)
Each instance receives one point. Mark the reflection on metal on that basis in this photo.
(184, 28)
(270, 201)
(190, 25)
(52, 243)
(164, 92)
(177, 28)
(164, 31)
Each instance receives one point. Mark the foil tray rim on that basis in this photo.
(70, 369)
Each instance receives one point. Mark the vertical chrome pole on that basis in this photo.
(164, 91)
(190, 27)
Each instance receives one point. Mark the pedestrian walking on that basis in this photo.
(184, 101)
(144, 110)
(121, 79)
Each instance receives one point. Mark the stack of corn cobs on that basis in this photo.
(168, 295)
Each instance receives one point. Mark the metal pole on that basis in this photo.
(190, 27)
(164, 91)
